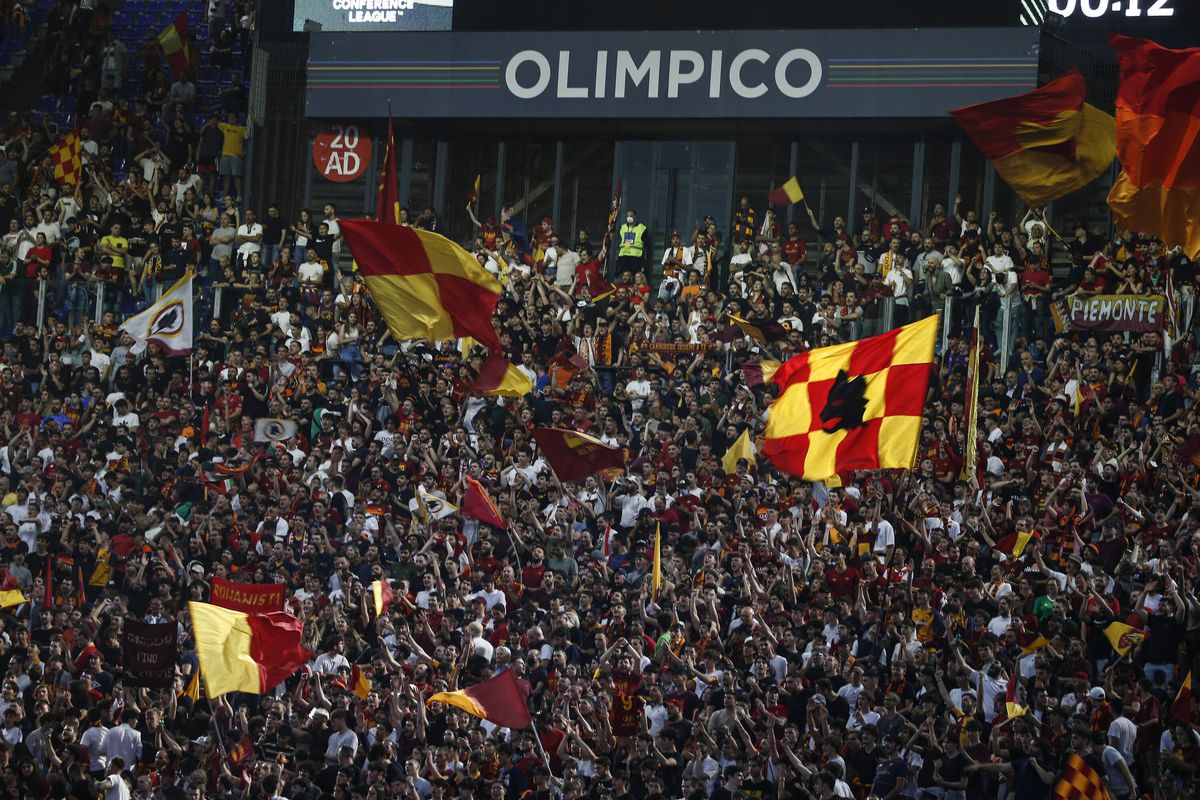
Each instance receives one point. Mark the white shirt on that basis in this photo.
(885, 536)
(337, 741)
(483, 647)
(1000, 264)
(123, 742)
(899, 278)
(93, 740)
(329, 662)
(246, 248)
(115, 788)
(1125, 732)
(311, 272)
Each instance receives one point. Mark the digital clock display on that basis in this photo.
(1103, 8)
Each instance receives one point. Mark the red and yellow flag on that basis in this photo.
(242, 652)
(1080, 781)
(1158, 141)
(66, 160)
(1183, 707)
(426, 286)
(10, 592)
(359, 683)
(387, 196)
(852, 406)
(1015, 543)
(498, 376)
(498, 700)
(478, 505)
(177, 46)
(972, 405)
(574, 455)
(381, 594)
(1046, 143)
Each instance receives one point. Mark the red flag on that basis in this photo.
(477, 505)
(574, 455)
(381, 591)
(473, 192)
(359, 683)
(80, 594)
(241, 751)
(387, 199)
(498, 700)
(1184, 704)
(178, 46)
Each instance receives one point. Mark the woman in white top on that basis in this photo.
(349, 335)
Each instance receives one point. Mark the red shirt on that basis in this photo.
(843, 584)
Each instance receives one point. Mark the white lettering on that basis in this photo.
(343, 162)
(564, 77)
(814, 78)
(601, 71)
(539, 86)
(676, 77)
(714, 75)
(636, 73)
(735, 73)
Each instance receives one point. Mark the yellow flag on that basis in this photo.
(968, 470)
(193, 687)
(656, 575)
(742, 448)
(1122, 637)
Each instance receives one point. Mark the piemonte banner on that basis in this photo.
(149, 652)
(251, 598)
(1111, 312)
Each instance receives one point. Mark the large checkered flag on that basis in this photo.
(66, 160)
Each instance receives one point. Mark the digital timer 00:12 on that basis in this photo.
(1101, 8)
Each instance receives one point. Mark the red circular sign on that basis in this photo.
(341, 153)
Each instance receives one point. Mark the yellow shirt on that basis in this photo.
(923, 619)
(116, 242)
(234, 144)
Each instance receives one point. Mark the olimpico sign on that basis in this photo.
(668, 74)
(662, 73)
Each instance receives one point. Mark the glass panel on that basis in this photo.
(823, 167)
(529, 179)
(762, 165)
(970, 182)
(935, 184)
(713, 192)
(467, 158)
(586, 194)
(885, 177)
(420, 191)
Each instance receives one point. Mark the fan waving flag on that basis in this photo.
(66, 159)
(168, 323)
(574, 455)
(498, 376)
(1122, 637)
(763, 330)
(271, 429)
(478, 505)
(1080, 781)
(788, 194)
(177, 45)
(852, 406)
(1158, 141)
(1046, 143)
(381, 594)
(498, 700)
(242, 652)
(425, 286)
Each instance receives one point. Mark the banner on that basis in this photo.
(672, 348)
(1110, 312)
(250, 598)
(150, 652)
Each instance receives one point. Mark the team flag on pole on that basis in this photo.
(755, 373)
(741, 448)
(1015, 543)
(242, 652)
(1046, 143)
(1012, 705)
(765, 330)
(498, 700)
(473, 192)
(477, 505)
(656, 573)
(972, 447)
(178, 47)
(1123, 638)
(498, 376)
(67, 160)
(381, 593)
(574, 455)
(1184, 704)
(168, 323)
(852, 406)
(426, 286)
(788, 194)
(359, 683)
(1158, 131)
(387, 195)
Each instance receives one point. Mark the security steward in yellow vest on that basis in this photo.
(631, 255)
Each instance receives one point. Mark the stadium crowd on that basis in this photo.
(878, 636)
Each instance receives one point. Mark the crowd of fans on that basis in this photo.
(855, 638)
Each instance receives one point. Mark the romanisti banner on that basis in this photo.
(150, 652)
(251, 598)
(1110, 312)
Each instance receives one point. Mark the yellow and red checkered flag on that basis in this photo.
(426, 286)
(1079, 781)
(65, 158)
(852, 406)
